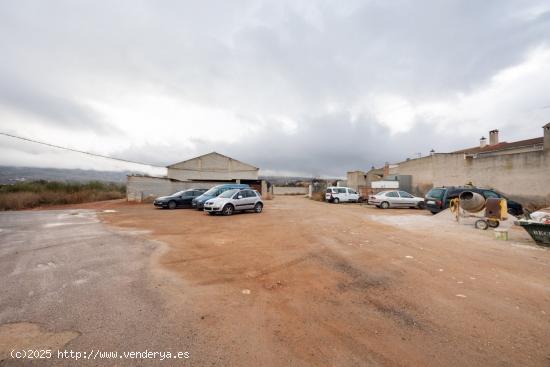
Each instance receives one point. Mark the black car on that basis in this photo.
(438, 198)
(181, 199)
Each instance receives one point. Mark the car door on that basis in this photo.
(393, 198)
(342, 194)
(250, 199)
(187, 197)
(406, 199)
(352, 195)
(180, 199)
(240, 200)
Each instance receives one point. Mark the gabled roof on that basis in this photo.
(502, 146)
(213, 153)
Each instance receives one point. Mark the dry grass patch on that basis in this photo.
(28, 195)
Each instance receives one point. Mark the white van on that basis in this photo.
(341, 194)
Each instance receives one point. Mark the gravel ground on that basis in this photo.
(304, 283)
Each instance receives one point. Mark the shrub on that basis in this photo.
(26, 195)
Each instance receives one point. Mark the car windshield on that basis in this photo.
(228, 193)
(212, 191)
(178, 193)
(436, 193)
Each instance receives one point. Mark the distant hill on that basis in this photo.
(9, 174)
(16, 174)
(291, 180)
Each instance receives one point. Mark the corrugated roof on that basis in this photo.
(502, 146)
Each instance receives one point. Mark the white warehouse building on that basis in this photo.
(205, 171)
(212, 167)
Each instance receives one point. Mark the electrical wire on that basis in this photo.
(115, 158)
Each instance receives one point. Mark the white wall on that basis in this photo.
(144, 188)
(212, 166)
(521, 175)
(284, 190)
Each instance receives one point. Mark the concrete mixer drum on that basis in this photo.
(471, 201)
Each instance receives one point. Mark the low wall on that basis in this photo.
(144, 188)
(285, 190)
(524, 176)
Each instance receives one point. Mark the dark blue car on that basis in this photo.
(198, 202)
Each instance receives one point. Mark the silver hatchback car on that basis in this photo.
(235, 200)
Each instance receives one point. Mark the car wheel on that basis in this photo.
(228, 209)
(493, 223)
(172, 205)
(258, 207)
(421, 205)
(336, 200)
(481, 224)
(385, 205)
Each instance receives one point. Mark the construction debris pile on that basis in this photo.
(537, 224)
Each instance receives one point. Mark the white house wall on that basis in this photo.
(144, 188)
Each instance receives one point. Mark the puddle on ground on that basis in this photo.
(26, 335)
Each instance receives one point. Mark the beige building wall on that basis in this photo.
(356, 179)
(145, 188)
(525, 176)
(286, 190)
(212, 166)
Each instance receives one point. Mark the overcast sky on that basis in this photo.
(293, 87)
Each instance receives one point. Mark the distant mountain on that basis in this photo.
(9, 174)
(292, 180)
(16, 174)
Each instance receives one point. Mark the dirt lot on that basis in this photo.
(309, 283)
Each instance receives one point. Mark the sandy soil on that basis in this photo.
(310, 283)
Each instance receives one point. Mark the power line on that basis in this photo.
(117, 159)
(78, 151)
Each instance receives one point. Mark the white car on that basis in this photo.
(396, 199)
(234, 200)
(341, 194)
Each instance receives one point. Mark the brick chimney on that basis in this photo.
(482, 142)
(493, 137)
(546, 129)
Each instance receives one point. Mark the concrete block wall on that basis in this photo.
(524, 176)
(284, 190)
(144, 188)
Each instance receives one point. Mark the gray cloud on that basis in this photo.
(320, 67)
(331, 145)
(55, 110)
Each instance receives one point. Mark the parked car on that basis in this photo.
(198, 203)
(341, 194)
(234, 200)
(438, 198)
(179, 199)
(396, 199)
